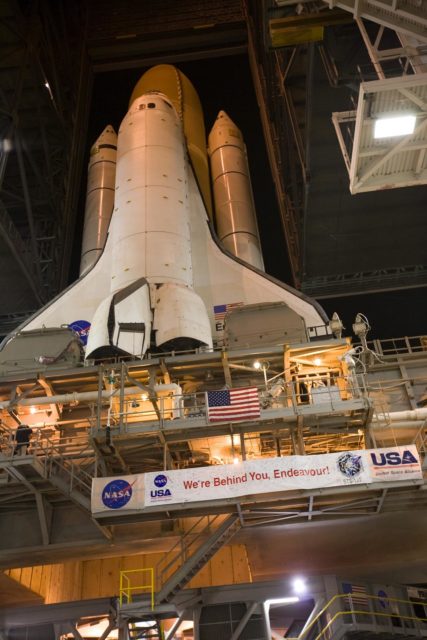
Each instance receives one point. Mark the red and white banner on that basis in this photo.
(262, 476)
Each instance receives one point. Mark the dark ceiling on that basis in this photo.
(66, 70)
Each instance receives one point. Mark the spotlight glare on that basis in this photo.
(317, 362)
(299, 585)
(257, 364)
(236, 460)
(33, 410)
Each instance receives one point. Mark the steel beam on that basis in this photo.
(18, 249)
(244, 620)
(45, 511)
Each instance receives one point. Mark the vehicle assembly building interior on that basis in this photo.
(213, 356)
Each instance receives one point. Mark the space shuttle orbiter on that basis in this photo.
(160, 279)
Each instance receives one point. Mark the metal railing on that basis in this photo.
(420, 439)
(56, 458)
(397, 346)
(184, 548)
(128, 589)
(315, 332)
(351, 614)
(314, 390)
(55, 463)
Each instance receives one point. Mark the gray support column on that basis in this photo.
(111, 626)
(124, 631)
(71, 626)
(196, 617)
(174, 628)
(266, 619)
(243, 622)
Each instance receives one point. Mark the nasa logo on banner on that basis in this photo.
(160, 481)
(159, 492)
(116, 494)
(81, 327)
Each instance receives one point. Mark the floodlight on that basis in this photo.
(390, 127)
(299, 585)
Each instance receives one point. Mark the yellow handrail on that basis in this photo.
(127, 589)
(339, 596)
(367, 613)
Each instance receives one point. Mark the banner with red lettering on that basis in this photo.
(252, 477)
(281, 474)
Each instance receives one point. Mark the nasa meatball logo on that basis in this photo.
(160, 481)
(116, 494)
(160, 493)
(350, 464)
(81, 327)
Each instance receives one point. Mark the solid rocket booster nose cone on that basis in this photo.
(108, 136)
(224, 131)
(105, 142)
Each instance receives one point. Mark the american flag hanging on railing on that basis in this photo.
(232, 404)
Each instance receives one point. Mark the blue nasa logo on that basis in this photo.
(393, 458)
(81, 327)
(160, 480)
(116, 494)
(350, 464)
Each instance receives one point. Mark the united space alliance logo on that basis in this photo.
(160, 482)
(350, 464)
(116, 494)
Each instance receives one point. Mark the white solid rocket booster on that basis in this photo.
(234, 203)
(99, 197)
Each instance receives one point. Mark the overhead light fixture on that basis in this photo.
(299, 585)
(33, 410)
(317, 362)
(391, 127)
(288, 600)
(262, 365)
